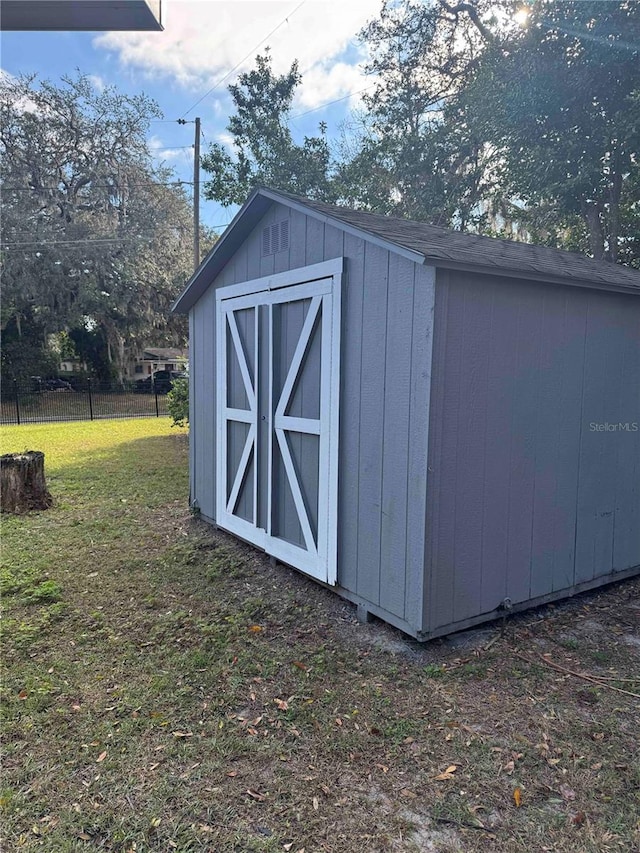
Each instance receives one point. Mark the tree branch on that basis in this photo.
(472, 12)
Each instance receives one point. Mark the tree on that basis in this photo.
(478, 122)
(559, 102)
(93, 235)
(265, 153)
(417, 154)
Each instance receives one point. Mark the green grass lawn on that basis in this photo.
(166, 688)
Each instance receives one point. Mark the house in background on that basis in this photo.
(441, 426)
(156, 358)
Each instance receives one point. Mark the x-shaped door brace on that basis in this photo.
(283, 423)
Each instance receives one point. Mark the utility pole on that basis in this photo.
(196, 192)
(196, 198)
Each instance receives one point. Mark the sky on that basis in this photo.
(204, 46)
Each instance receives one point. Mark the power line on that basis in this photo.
(329, 103)
(168, 147)
(244, 58)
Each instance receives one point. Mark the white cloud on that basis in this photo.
(203, 41)
(325, 82)
(225, 139)
(98, 82)
(165, 153)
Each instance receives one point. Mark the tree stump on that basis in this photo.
(22, 483)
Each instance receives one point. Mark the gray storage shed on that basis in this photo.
(439, 425)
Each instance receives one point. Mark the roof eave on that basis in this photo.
(529, 275)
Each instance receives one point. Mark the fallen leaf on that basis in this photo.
(578, 818)
(23, 694)
(316, 804)
(84, 836)
(568, 793)
(517, 797)
(282, 704)
(446, 774)
(255, 795)
(155, 822)
(255, 628)
(182, 734)
(287, 847)
(102, 756)
(509, 767)
(597, 766)
(232, 773)
(304, 668)
(338, 721)
(383, 767)
(408, 794)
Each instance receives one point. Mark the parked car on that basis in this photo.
(159, 383)
(55, 384)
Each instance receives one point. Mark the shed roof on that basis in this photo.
(421, 242)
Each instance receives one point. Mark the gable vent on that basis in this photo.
(275, 238)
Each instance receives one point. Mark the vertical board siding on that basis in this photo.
(418, 437)
(204, 422)
(314, 247)
(495, 491)
(522, 373)
(350, 423)
(558, 427)
(470, 461)
(372, 390)
(395, 439)
(194, 344)
(626, 545)
(446, 382)
(611, 397)
(524, 498)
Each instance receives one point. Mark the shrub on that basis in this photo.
(178, 402)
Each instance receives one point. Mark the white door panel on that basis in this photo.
(299, 318)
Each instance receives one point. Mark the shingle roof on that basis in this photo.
(457, 248)
(421, 242)
(164, 353)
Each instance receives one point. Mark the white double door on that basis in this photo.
(277, 377)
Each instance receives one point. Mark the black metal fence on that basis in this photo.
(40, 401)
